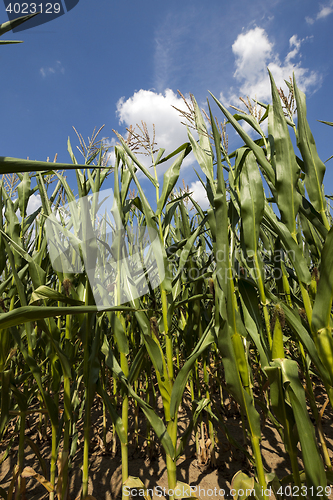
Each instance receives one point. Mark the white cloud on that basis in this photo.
(155, 109)
(51, 70)
(296, 43)
(254, 52)
(33, 203)
(309, 20)
(324, 11)
(199, 194)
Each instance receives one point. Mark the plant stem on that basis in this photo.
(88, 396)
(53, 459)
(21, 450)
(171, 463)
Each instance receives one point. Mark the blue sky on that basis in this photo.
(119, 63)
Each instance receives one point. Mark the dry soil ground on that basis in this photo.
(105, 468)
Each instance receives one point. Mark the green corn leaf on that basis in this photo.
(251, 121)
(10, 25)
(69, 193)
(252, 200)
(313, 167)
(169, 180)
(326, 123)
(287, 169)
(231, 369)
(17, 281)
(46, 204)
(118, 331)
(70, 150)
(11, 165)
(126, 178)
(293, 250)
(5, 399)
(321, 315)
(314, 469)
(277, 348)
(136, 365)
(280, 405)
(229, 329)
(184, 256)
(202, 131)
(257, 150)
(155, 354)
(23, 191)
(197, 207)
(21, 398)
(205, 145)
(237, 332)
(34, 313)
(203, 157)
(185, 146)
(325, 349)
(5, 348)
(160, 153)
(36, 372)
(29, 220)
(37, 274)
(12, 228)
(308, 210)
(66, 367)
(252, 320)
(156, 246)
(94, 362)
(311, 237)
(244, 483)
(8, 42)
(46, 293)
(294, 321)
(179, 385)
(221, 217)
(154, 419)
(136, 161)
(228, 334)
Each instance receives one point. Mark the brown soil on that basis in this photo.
(105, 467)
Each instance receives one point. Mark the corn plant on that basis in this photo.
(136, 305)
(280, 168)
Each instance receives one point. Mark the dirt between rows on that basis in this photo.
(207, 481)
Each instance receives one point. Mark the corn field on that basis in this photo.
(140, 307)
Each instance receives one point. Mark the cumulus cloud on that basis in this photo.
(199, 194)
(324, 11)
(51, 70)
(254, 52)
(251, 49)
(156, 109)
(33, 203)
